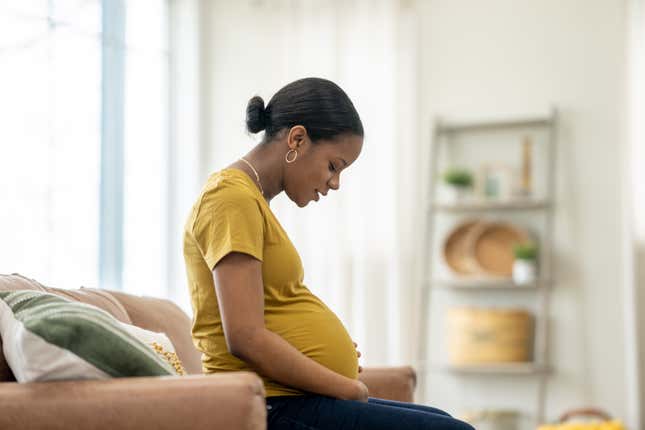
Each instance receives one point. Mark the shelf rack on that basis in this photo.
(488, 284)
(490, 369)
(540, 366)
(475, 206)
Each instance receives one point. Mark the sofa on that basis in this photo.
(234, 400)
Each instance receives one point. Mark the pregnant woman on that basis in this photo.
(251, 308)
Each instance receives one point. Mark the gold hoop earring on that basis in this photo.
(286, 157)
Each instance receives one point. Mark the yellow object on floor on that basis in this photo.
(601, 421)
(600, 425)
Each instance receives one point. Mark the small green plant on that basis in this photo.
(525, 251)
(458, 177)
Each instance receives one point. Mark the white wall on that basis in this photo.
(498, 57)
(634, 192)
(487, 59)
(358, 246)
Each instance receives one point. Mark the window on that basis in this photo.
(50, 63)
(53, 123)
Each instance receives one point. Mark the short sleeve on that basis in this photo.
(226, 220)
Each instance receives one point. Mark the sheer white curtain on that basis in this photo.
(50, 99)
(50, 141)
(358, 244)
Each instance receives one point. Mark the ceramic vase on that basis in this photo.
(524, 271)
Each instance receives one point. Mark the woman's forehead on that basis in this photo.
(345, 147)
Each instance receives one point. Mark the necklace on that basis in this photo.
(256, 175)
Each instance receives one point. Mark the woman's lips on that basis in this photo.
(316, 196)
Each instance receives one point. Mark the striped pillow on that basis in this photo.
(47, 337)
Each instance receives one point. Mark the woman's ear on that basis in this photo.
(297, 136)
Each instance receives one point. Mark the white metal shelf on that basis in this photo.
(482, 284)
(475, 126)
(492, 205)
(516, 368)
(500, 368)
(443, 132)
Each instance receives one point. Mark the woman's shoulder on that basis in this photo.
(230, 183)
(229, 189)
(226, 192)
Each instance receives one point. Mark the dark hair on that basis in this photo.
(319, 105)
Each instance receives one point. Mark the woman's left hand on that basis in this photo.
(358, 354)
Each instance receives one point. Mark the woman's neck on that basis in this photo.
(268, 163)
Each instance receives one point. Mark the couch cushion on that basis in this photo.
(92, 296)
(160, 343)
(164, 316)
(228, 401)
(48, 337)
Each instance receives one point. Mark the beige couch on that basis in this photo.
(196, 401)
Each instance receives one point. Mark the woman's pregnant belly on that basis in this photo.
(312, 328)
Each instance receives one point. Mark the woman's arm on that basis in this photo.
(240, 293)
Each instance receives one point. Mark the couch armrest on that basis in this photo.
(223, 401)
(391, 383)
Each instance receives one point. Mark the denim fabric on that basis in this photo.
(314, 412)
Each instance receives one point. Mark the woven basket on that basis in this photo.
(485, 336)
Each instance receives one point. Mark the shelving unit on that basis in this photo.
(485, 206)
(488, 284)
(519, 368)
(538, 292)
(483, 369)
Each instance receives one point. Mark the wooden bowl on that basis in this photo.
(492, 247)
(457, 248)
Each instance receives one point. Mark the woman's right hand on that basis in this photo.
(359, 391)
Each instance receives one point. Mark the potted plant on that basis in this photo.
(525, 264)
(459, 181)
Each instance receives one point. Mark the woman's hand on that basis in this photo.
(358, 354)
(355, 390)
(362, 392)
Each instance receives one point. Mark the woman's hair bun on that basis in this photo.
(255, 115)
(319, 105)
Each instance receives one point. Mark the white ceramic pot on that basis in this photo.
(455, 194)
(524, 271)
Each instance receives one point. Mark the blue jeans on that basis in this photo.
(314, 412)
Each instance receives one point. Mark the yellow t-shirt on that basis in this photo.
(231, 215)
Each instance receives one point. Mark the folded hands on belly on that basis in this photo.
(358, 354)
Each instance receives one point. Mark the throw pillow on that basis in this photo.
(159, 342)
(47, 337)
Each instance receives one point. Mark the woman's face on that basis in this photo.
(318, 166)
